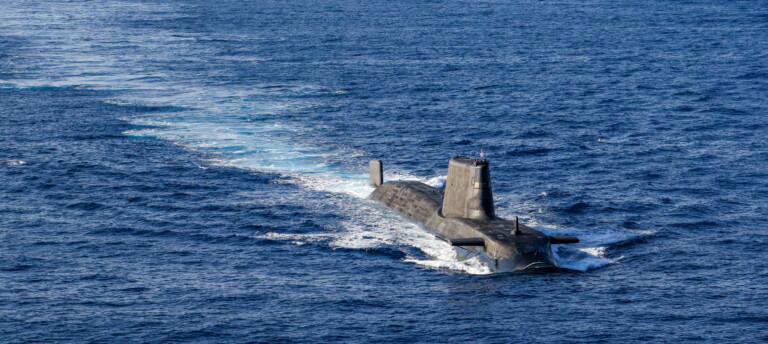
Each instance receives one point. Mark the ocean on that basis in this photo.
(195, 171)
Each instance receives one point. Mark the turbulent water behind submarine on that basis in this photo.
(193, 171)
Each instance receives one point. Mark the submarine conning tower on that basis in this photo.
(468, 189)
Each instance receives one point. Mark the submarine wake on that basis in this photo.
(240, 133)
(252, 127)
(233, 141)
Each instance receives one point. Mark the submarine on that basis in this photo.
(463, 214)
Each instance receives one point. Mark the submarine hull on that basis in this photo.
(503, 245)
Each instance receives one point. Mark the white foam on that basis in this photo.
(296, 239)
(582, 259)
(592, 251)
(437, 182)
(472, 266)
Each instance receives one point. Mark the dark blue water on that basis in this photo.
(191, 171)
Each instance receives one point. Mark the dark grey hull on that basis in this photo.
(503, 245)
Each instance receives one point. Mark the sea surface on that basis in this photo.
(195, 171)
